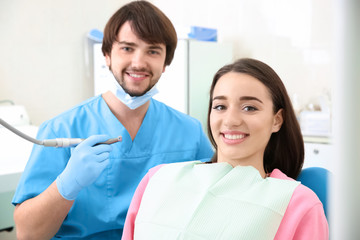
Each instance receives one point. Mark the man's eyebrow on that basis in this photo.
(156, 47)
(126, 43)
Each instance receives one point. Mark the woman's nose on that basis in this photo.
(232, 118)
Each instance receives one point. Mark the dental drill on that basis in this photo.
(57, 142)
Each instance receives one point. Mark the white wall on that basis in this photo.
(42, 61)
(294, 37)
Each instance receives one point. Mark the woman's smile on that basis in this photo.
(233, 137)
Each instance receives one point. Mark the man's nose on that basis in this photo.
(138, 60)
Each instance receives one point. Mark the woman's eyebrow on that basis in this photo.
(243, 98)
(247, 98)
(219, 98)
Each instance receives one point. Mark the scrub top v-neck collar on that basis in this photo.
(144, 135)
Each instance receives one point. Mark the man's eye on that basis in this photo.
(152, 52)
(127, 49)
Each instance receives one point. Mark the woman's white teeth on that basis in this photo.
(232, 137)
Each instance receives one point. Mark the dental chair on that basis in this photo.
(316, 178)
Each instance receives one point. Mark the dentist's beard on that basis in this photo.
(132, 102)
(122, 83)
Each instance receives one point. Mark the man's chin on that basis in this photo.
(135, 93)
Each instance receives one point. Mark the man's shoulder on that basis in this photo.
(79, 111)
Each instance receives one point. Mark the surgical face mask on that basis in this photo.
(133, 102)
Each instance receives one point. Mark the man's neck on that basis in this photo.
(131, 119)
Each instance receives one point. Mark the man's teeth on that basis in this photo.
(232, 137)
(136, 75)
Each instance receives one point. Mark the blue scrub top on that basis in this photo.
(99, 211)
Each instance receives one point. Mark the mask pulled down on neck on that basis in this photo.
(133, 102)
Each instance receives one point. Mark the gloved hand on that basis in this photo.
(84, 167)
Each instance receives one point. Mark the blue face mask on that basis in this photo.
(133, 102)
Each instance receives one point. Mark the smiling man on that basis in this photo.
(135, 64)
(85, 192)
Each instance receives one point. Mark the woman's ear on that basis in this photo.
(278, 120)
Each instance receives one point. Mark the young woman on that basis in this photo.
(247, 190)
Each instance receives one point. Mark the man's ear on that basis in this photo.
(164, 68)
(278, 120)
(107, 60)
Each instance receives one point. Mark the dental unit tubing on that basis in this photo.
(57, 142)
(72, 142)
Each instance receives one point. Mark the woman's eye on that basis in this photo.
(219, 107)
(250, 108)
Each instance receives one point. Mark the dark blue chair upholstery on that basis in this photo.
(316, 178)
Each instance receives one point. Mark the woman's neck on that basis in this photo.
(256, 163)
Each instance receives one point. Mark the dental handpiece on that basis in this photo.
(57, 142)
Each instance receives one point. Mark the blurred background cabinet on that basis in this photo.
(185, 84)
(318, 153)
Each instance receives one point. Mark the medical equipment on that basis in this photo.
(57, 142)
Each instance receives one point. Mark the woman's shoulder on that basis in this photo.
(302, 194)
(304, 217)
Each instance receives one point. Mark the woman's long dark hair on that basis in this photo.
(285, 149)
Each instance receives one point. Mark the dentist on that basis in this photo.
(85, 192)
